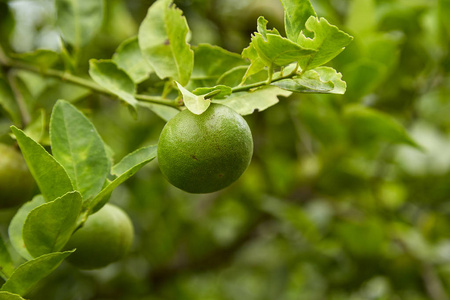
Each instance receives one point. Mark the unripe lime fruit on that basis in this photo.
(16, 182)
(205, 153)
(105, 238)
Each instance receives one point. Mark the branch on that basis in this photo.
(67, 77)
(64, 76)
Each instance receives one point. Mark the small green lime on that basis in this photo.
(105, 238)
(16, 182)
(205, 153)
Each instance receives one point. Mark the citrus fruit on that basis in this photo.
(16, 182)
(205, 153)
(105, 237)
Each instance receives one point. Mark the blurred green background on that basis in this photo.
(337, 203)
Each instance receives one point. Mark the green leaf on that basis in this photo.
(15, 229)
(42, 58)
(9, 296)
(31, 272)
(278, 50)
(256, 65)
(50, 176)
(211, 62)
(330, 74)
(309, 82)
(6, 263)
(245, 103)
(108, 75)
(218, 91)
(261, 27)
(162, 39)
(368, 125)
(128, 57)
(328, 41)
(296, 13)
(140, 158)
(163, 111)
(79, 20)
(8, 102)
(323, 80)
(49, 226)
(133, 159)
(196, 104)
(269, 48)
(78, 147)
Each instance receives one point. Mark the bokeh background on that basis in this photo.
(337, 202)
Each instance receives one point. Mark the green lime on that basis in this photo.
(105, 238)
(16, 182)
(205, 153)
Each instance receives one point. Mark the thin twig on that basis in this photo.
(263, 83)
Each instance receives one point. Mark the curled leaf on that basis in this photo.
(196, 104)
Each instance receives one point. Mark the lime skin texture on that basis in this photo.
(205, 153)
(16, 182)
(105, 238)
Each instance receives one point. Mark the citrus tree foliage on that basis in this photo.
(345, 197)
